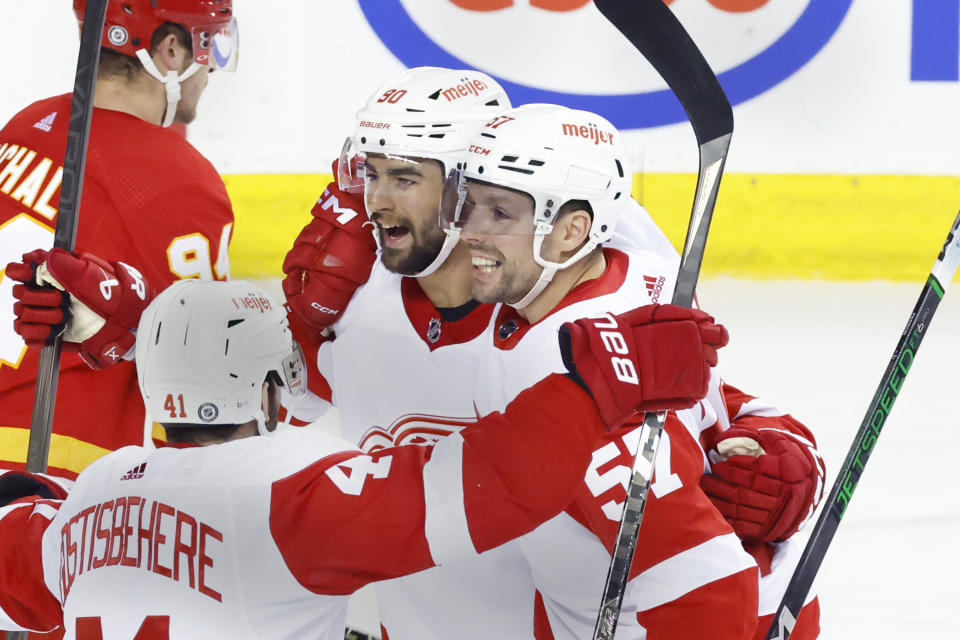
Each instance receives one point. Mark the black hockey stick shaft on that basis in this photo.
(864, 442)
(78, 133)
(653, 29)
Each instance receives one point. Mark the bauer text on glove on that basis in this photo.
(652, 358)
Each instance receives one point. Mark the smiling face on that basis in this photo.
(403, 198)
(498, 228)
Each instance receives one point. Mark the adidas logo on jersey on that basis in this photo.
(654, 287)
(46, 124)
(135, 474)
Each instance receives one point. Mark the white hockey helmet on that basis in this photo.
(425, 112)
(554, 154)
(204, 349)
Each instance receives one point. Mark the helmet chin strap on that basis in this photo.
(453, 237)
(550, 268)
(261, 419)
(171, 83)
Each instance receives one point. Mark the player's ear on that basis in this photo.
(573, 230)
(170, 54)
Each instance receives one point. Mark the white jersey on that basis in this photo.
(264, 537)
(400, 373)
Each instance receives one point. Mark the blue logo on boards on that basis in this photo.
(795, 48)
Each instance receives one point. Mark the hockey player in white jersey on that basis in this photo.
(427, 330)
(225, 535)
(430, 326)
(540, 189)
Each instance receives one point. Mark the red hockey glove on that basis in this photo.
(16, 485)
(765, 482)
(652, 358)
(331, 257)
(106, 301)
(40, 312)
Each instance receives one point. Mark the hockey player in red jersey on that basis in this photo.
(221, 534)
(149, 199)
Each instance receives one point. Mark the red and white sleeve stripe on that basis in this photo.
(25, 601)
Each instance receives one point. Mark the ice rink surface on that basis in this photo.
(818, 350)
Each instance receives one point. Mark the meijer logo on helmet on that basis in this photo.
(252, 301)
(468, 88)
(564, 51)
(589, 131)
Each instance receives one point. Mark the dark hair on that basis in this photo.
(199, 434)
(114, 64)
(203, 434)
(575, 205)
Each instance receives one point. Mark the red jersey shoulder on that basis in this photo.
(41, 116)
(511, 327)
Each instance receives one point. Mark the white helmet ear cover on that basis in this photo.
(204, 350)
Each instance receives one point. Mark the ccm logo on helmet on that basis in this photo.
(589, 131)
(614, 342)
(481, 150)
(469, 88)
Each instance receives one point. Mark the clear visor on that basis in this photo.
(485, 209)
(295, 372)
(217, 45)
(350, 168)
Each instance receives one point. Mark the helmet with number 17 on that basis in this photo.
(554, 155)
(210, 25)
(423, 113)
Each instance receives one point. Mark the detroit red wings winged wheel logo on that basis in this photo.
(423, 430)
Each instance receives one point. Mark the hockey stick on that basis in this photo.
(653, 29)
(65, 235)
(78, 132)
(939, 279)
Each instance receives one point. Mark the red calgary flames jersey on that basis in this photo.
(149, 199)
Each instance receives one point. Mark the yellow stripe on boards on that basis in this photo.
(65, 452)
(270, 211)
(766, 226)
(825, 227)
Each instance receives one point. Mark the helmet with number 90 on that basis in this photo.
(423, 113)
